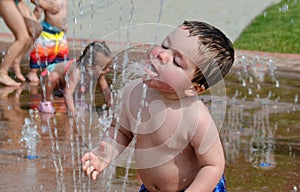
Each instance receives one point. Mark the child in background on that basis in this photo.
(177, 144)
(51, 46)
(68, 75)
(25, 27)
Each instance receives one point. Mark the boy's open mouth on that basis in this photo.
(150, 70)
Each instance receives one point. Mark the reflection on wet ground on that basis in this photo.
(58, 146)
(261, 135)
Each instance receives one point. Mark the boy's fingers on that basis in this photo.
(86, 165)
(86, 157)
(90, 170)
(94, 175)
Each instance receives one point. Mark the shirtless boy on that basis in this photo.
(51, 46)
(177, 144)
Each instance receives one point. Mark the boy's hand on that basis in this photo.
(38, 12)
(92, 164)
(89, 163)
(107, 96)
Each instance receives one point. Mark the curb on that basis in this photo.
(269, 54)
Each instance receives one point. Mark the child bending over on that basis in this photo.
(69, 75)
(177, 144)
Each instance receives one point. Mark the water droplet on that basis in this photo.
(236, 93)
(292, 21)
(244, 83)
(270, 94)
(277, 84)
(295, 188)
(250, 91)
(296, 98)
(251, 79)
(284, 8)
(258, 86)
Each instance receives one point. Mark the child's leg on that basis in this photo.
(32, 75)
(34, 29)
(17, 69)
(6, 91)
(17, 61)
(14, 21)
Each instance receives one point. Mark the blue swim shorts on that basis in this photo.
(221, 186)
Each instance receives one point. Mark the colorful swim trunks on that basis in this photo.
(221, 186)
(50, 47)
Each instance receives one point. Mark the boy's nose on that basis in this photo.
(159, 53)
(164, 56)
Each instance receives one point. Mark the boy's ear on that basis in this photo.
(194, 90)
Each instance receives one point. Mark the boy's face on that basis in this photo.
(172, 64)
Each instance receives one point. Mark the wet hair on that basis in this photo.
(89, 54)
(88, 60)
(216, 53)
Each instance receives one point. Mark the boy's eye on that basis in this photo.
(176, 63)
(164, 47)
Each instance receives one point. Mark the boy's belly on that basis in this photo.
(58, 21)
(174, 175)
(167, 178)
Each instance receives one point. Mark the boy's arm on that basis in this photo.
(209, 151)
(116, 139)
(71, 83)
(37, 12)
(49, 6)
(94, 162)
(105, 89)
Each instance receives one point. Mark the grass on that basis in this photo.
(277, 29)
